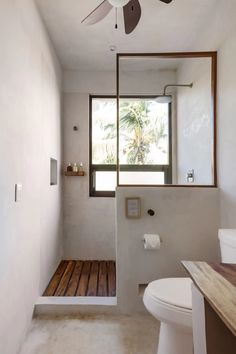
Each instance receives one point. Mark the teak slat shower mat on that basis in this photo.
(83, 278)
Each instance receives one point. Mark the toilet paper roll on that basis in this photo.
(152, 242)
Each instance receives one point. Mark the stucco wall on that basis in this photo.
(221, 36)
(187, 220)
(226, 132)
(195, 122)
(89, 222)
(30, 134)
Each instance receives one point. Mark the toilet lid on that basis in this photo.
(173, 291)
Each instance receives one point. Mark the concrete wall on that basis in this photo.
(195, 122)
(30, 234)
(226, 131)
(89, 223)
(104, 82)
(221, 36)
(188, 231)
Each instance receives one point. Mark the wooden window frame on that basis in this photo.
(177, 55)
(93, 168)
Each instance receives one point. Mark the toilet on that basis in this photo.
(170, 302)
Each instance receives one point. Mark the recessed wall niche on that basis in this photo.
(53, 172)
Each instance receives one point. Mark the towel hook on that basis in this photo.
(151, 212)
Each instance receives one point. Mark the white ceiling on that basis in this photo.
(173, 27)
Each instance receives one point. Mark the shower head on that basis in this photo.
(165, 98)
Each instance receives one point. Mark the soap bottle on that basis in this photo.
(81, 167)
(75, 167)
(69, 168)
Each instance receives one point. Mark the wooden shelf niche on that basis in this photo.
(75, 174)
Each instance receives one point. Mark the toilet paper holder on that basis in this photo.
(160, 240)
(152, 242)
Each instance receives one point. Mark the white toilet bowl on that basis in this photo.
(170, 301)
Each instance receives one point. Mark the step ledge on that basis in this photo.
(77, 300)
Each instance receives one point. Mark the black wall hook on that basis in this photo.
(151, 212)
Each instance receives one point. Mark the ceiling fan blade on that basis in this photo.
(132, 15)
(98, 14)
(166, 1)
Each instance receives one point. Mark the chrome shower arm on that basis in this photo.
(176, 85)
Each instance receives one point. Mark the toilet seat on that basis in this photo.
(172, 291)
(170, 300)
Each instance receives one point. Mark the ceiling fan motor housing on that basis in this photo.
(118, 3)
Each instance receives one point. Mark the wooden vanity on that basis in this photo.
(214, 307)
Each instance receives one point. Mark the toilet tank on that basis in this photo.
(227, 239)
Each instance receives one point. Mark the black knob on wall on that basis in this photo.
(151, 212)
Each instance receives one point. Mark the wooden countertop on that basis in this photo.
(217, 283)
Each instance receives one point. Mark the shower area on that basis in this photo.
(83, 278)
(164, 136)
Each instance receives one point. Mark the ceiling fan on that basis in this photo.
(131, 10)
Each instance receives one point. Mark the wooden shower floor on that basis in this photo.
(83, 278)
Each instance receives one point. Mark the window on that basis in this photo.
(144, 143)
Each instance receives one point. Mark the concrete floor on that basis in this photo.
(92, 334)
